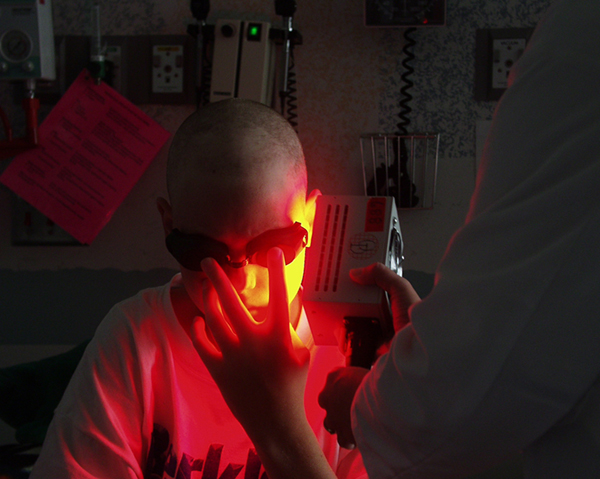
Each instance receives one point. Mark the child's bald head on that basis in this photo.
(233, 148)
(236, 171)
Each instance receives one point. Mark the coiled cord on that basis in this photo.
(405, 189)
(291, 100)
(406, 97)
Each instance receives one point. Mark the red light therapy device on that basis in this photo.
(351, 232)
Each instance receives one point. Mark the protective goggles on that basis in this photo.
(190, 249)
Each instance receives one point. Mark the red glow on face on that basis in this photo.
(251, 281)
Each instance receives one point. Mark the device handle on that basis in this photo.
(363, 338)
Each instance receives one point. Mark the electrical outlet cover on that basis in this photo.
(496, 51)
(167, 69)
(506, 53)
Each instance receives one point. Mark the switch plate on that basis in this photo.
(496, 51)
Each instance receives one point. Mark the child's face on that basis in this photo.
(236, 230)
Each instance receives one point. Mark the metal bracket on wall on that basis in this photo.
(496, 51)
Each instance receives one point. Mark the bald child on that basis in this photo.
(142, 402)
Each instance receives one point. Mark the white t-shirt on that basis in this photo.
(141, 404)
(504, 354)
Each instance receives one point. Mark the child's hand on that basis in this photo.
(259, 369)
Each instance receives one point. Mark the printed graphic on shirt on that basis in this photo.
(164, 463)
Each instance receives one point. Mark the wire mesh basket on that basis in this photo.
(402, 166)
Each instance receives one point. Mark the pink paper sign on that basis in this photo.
(93, 147)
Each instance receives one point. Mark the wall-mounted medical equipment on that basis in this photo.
(145, 69)
(402, 166)
(26, 40)
(404, 13)
(243, 61)
(246, 58)
(26, 54)
(351, 232)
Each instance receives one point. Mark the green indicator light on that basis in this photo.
(254, 32)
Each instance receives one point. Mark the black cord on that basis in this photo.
(405, 188)
(200, 31)
(394, 179)
(406, 97)
(291, 99)
(206, 67)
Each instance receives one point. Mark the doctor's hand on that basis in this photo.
(259, 369)
(402, 294)
(336, 398)
(342, 383)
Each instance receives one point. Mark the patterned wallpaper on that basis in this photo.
(348, 84)
(445, 69)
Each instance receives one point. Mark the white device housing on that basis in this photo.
(349, 232)
(26, 40)
(243, 64)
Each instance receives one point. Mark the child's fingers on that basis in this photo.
(214, 318)
(279, 309)
(207, 351)
(238, 316)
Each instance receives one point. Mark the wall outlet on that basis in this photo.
(167, 69)
(496, 51)
(506, 51)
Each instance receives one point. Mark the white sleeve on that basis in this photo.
(507, 341)
(97, 428)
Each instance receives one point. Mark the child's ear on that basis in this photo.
(164, 208)
(310, 210)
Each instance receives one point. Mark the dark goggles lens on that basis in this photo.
(189, 250)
